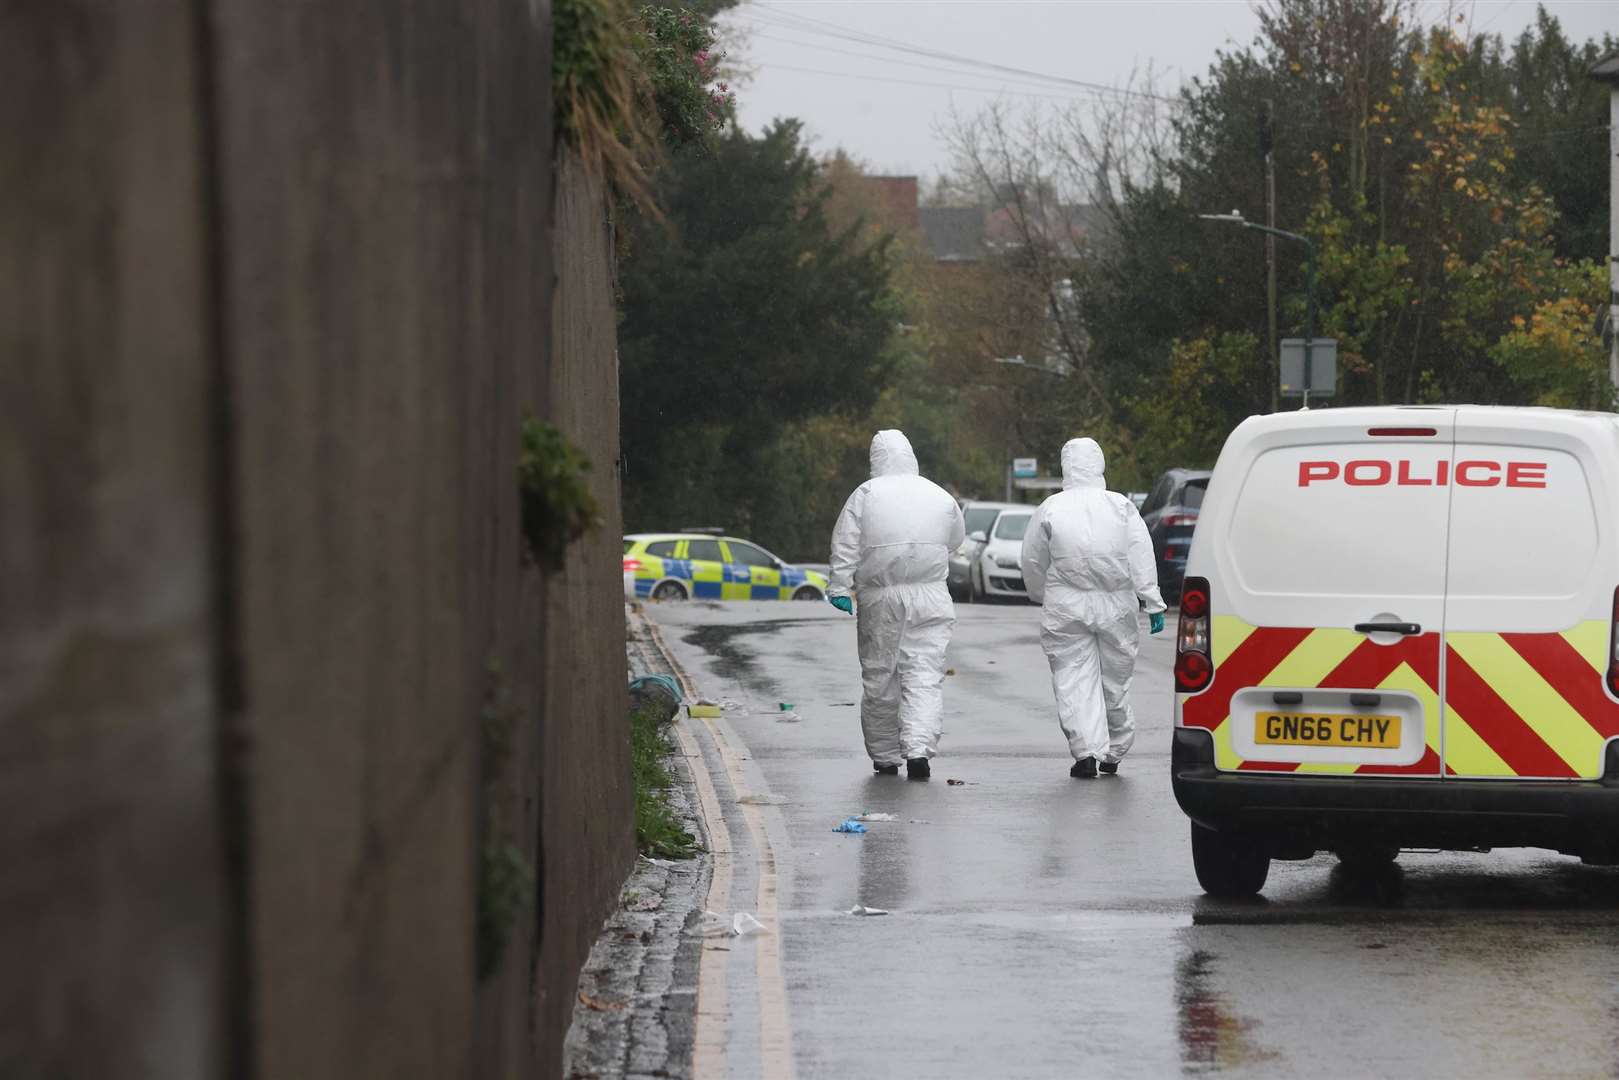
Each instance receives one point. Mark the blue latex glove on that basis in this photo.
(843, 604)
(1156, 621)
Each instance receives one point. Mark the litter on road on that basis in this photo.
(745, 925)
(761, 800)
(862, 909)
(698, 712)
(849, 825)
(868, 816)
(956, 783)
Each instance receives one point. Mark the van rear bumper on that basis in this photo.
(1299, 814)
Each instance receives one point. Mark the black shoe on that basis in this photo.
(1084, 769)
(886, 770)
(1109, 768)
(917, 768)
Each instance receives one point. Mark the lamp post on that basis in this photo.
(1236, 218)
(1017, 361)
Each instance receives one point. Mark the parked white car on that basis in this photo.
(980, 519)
(996, 572)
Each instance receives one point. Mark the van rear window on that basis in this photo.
(1309, 521)
(1522, 523)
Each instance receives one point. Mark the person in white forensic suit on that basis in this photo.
(1087, 560)
(890, 560)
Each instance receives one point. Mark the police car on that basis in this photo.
(709, 566)
(1398, 631)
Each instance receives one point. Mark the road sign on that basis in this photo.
(1323, 367)
(1025, 466)
(1038, 483)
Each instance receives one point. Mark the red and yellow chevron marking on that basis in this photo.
(1517, 705)
(1529, 705)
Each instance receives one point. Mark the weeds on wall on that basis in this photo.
(600, 114)
(505, 875)
(557, 505)
(631, 82)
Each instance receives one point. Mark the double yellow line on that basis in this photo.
(713, 1028)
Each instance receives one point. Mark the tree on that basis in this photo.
(1454, 229)
(744, 314)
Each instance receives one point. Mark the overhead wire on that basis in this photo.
(773, 17)
(918, 82)
(1002, 79)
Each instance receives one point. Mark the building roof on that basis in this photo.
(953, 233)
(1606, 70)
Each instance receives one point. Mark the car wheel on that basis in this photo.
(807, 592)
(669, 590)
(1367, 858)
(1228, 865)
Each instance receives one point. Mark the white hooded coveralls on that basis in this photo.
(1087, 559)
(890, 550)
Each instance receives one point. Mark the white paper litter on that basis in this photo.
(862, 909)
(745, 925)
(876, 817)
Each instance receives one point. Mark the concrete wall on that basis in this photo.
(114, 926)
(275, 291)
(589, 835)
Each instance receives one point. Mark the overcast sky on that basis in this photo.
(831, 63)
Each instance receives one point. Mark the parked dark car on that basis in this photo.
(1171, 514)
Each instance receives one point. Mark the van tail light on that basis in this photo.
(632, 566)
(1613, 648)
(1171, 520)
(1194, 659)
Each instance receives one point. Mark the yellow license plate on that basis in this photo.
(1327, 729)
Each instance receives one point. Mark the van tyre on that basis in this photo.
(1228, 865)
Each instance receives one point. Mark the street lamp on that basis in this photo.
(1017, 361)
(1236, 218)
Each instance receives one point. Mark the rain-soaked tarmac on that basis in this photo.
(1043, 926)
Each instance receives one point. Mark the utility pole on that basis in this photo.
(1267, 147)
(1236, 218)
(1607, 71)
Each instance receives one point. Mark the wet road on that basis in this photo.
(1043, 926)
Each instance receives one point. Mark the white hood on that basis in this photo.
(1082, 464)
(891, 454)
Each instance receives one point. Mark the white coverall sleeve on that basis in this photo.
(846, 546)
(1143, 566)
(958, 531)
(1036, 557)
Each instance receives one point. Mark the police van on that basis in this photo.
(1398, 631)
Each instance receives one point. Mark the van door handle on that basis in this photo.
(1407, 628)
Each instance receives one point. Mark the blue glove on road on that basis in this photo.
(1156, 621)
(844, 604)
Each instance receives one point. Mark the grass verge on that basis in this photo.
(658, 831)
